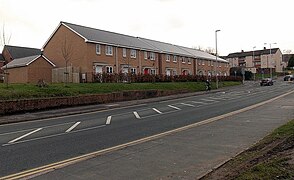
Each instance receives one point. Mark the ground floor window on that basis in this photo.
(133, 71)
(109, 69)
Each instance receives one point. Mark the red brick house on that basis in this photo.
(96, 51)
(29, 69)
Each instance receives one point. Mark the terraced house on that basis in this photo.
(86, 51)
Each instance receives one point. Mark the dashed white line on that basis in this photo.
(185, 104)
(25, 135)
(174, 107)
(198, 102)
(209, 100)
(136, 115)
(108, 120)
(156, 110)
(72, 127)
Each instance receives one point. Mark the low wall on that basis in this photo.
(26, 105)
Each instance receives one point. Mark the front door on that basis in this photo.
(98, 69)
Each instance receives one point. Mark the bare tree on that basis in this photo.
(66, 51)
(209, 50)
(4, 41)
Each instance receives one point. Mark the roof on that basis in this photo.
(106, 37)
(22, 62)
(256, 53)
(110, 38)
(20, 52)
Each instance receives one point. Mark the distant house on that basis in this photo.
(10, 53)
(29, 69)
(93, 51)
(258, 61)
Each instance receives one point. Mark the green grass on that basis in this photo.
(25, 91)
(276, 166)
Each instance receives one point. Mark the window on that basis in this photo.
(145, 55)
(124, 52)
(167, 57)
(189, 60)
(133, 70)
(152, 71)
(109, 69)
(152, 56)
(183, 60)
(199, 62)
(203, 63)
(108, 50)
(175, 59)
(98, 49)
(133, 53)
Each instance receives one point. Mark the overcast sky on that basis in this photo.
(191, 23)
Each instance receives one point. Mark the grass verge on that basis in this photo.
(26, 91)
(271, 158)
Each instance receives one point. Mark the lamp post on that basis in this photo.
(253, 61)
(216, 78)
(270, 50)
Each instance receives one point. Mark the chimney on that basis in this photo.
(264, 48)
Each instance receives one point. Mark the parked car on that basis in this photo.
(266, 82)
(289, 78)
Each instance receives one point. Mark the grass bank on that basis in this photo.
(271, 158)
(25, 91)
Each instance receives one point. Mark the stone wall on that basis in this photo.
(26, 105)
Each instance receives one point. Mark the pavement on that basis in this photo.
(186, 154)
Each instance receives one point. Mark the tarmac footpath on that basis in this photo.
(186, 153)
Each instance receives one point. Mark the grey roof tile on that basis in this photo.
(101, 36)
(20, 62)
(20, 52)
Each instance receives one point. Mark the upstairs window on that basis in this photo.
(108, 50)
(124, 52)
(133, 53)
(183, 60)
(175, 59)
(189, 61)
(167, 57)
(98, 49)
(145, 55)
(152, 56)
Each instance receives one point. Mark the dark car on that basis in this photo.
(266, 82)
(289, 78)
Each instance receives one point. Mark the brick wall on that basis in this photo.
(26, 105)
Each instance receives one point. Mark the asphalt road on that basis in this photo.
(33, 144)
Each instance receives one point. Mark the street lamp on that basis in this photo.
(216, 79)
(271, 59)
(253, 61)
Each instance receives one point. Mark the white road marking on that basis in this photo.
(137, 115)
(209, 100)
(25, 135)
(217, 98)
(198, 102)
(156, 110)
(54, 135)
(185, 104)
(72, 127)
(174, 107)
(108, 120)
